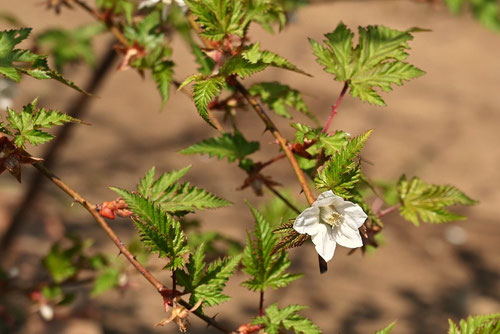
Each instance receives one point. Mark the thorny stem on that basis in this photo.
(289, 154)
(334, 108)
(91, 208)
(273, 160)
(279, 137)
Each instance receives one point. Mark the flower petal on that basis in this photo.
(352, 211)
(347, 235)
(324, 243)
(326, 198)
(307, 221)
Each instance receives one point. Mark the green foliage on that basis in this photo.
(266, 268)
(25, 125)
(61, 262)
(206, 282)
(204, 92)
(342, 172)
(487, 12)
(230, 146)
(377, 61)
(144, 35)
(275, 211)
(174, 197)
(387, 329)
(287, 318)
(14, 62)
(158, 230)
(70, 45)
(423, 202)
(479, 324)
(106, 280)
(330, 143)
(220, 19)
(280, 98)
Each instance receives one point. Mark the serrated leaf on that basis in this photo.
(341, 173)
(280, 98)
(14, 62)
(423, 202)
(286, 318)
(204, 282)
(158, 230)
(162, 73)
(266, 268)
(479, 324)
(255, 55)
(377, 60)
(177, 197)
(218, 18)
(26, 124)
(230, 146)
(204, 91)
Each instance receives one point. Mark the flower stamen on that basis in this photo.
(330, 216)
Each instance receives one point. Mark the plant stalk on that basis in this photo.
(335, 107)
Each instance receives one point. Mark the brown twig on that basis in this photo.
(77, 110)
(261, 303)
(281, 140)
(91, 208)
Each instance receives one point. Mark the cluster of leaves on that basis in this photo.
(288, 318)
(479, 324)
(259, 261)
(149, 50)
(377, 60)
(485, 11)
(14, 62)
(68, 46)
(25, 126)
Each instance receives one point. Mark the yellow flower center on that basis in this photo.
(330, 216)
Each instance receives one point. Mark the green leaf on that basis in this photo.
(387, 329)
(61, 263)
(118, 7)
(230, 146)
(218, 18)
(255, 55)
(163, 75)
(341, 173)
(14, 62)
(377, 60)
(280, 98)
(70, 45)
(479, 324)
(286, 318)
(204, 92)
(266, 268)
(105, 281)
(177, 197)
(157, 229)
(204, 282)
(423, 202)
(25, 125)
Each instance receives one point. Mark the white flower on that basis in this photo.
(330, 221)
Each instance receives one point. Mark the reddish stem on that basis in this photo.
(273, 160)
(388, 210)
(334, 108)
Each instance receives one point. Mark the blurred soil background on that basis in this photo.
(443, 127)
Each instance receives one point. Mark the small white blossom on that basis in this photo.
(330, 221)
